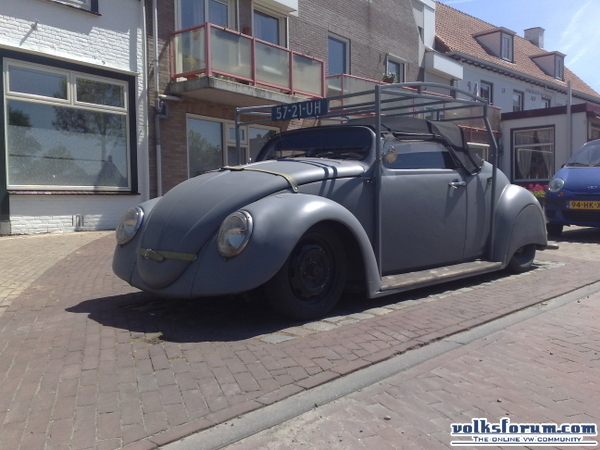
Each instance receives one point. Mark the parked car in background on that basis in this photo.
(371, 202)
(573, 194)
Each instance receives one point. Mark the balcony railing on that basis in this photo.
(214, 51)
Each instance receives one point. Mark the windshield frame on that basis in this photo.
(344, 142)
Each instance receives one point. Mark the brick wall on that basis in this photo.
(373, 29)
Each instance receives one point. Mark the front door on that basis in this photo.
(424, 207)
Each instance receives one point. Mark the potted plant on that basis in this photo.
(539, 191)
(389, 77)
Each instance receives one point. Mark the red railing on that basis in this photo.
(214, 51)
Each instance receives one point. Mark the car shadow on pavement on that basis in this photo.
(582, 235)
(233, 318)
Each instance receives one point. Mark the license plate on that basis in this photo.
(579, 204)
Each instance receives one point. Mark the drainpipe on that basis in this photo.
(158, 103)
(569, 118)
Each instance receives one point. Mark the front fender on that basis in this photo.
(519, 221)
(279, 222)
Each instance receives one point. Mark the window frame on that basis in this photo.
(282, 21)
(521, 100)
(506, 47)
(72, 74)
(84, 5)
(514, 132)
(232, 14)
(490, 86)
(401, 73)
(227, 138)
(346, 56)
(546, 102)
(559, 68)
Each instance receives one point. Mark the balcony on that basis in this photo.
(217, 64)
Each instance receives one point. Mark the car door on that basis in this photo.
(424, 206)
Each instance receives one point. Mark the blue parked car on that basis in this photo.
(573, 195)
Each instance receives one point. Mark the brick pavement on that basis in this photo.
(541, 370)
(88, 362)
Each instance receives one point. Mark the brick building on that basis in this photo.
(212, 56)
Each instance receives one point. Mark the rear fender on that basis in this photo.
(519, 221)
(279, 221)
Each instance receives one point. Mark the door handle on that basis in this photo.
(456, 184)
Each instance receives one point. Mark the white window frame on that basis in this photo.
(282, 19)
(232, 18)
(71, 102)
(506, 46)
(227, 138)
(559, 68)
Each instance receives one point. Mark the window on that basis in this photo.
(594, 131)
(197, 12)
(88, 5)
(208, 137)
(533, 154)
(338, 55)
(416, 155)
(486, 92)
(546, 102)
(397, 69)
(269, 27)
(66, 130)
(559, 68)
(506, 50)
(517, 100)
(482, 150)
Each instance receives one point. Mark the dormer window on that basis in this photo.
(507, 47)
(552, 64)
(498, 42)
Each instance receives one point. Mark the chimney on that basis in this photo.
(536, 36)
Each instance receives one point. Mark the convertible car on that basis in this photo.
(373, 202)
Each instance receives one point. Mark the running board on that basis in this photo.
(422, 278)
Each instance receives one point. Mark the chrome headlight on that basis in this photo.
(556, 184)
(129, 225)
(234, 234)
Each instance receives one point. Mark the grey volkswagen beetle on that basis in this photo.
(384, 196)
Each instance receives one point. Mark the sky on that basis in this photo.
(571, 27)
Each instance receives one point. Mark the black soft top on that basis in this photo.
(449, 131)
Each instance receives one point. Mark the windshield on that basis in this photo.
(587, 156)
(327, 142)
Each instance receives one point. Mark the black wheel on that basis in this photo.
(311, 281)
(522, 260)
(554, 229)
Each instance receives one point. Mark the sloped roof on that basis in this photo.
(454, 33)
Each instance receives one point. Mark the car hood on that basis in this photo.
(185, 218)
(582, 180)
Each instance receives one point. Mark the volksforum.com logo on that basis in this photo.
(504, 433)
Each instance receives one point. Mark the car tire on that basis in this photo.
(554, 229)
(522, 260)
(312, 279)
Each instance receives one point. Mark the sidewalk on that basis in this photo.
(88, 362)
